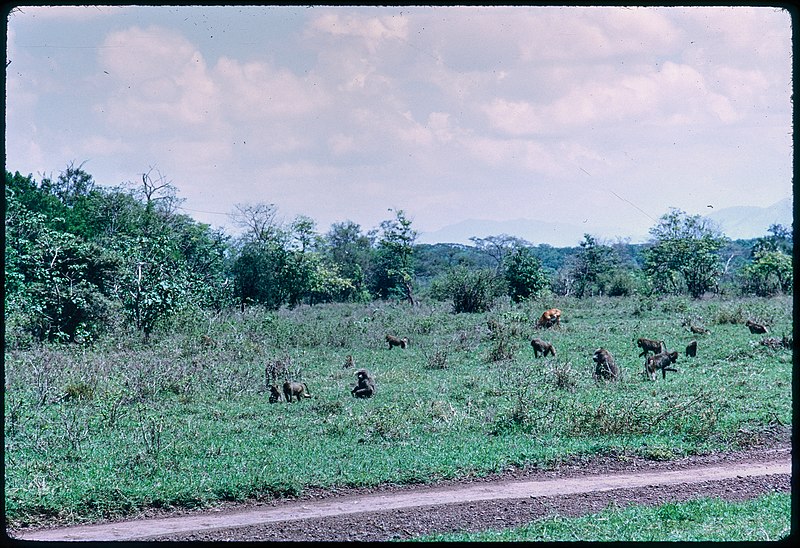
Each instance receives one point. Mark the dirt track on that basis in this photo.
(505, 501)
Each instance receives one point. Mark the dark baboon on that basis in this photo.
(348, 362)
(661, 361)
(550, 318)
(699, 330)
(296, 389)
(365, 387)
(274, 394)
(756, 327)
(691, 349)
(650, 345)
(542, 347)
(207, 341)
(605, 366)
(395, 341)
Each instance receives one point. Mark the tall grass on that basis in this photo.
(107, 430)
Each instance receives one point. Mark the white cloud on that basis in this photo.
(162, 79)
(257, 90)
(371, 30)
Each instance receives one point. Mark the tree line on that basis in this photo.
(80, 257)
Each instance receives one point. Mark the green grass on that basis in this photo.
(767, 518)
(104, 431)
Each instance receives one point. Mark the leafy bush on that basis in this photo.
(472, 290)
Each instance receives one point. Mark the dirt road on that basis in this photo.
(504, 501)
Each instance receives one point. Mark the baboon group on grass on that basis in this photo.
(656, 357)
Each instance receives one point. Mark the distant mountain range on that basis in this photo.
(741, 222)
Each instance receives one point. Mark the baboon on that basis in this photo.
(274, 394)
(395, 341)
(297, 389)
(348, 362)
(661, 361)
(207, 341)
(550, 318)
(605, 366)
(365, 387)
(650, 345)
(542, 347)
(699, 330)
(691, 349)
(756, 327)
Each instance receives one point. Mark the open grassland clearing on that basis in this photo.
(108, 430)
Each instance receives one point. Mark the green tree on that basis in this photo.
(684, 254)
(394, 262)
(351, 252)
(591, 265)
(498, 247)
(258, 270)
(153, 283)
(770, 273)
(55, 283)
(524, 275)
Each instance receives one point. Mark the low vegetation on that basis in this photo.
(106, 429)
(766, 519)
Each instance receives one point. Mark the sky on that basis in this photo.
(599, 116)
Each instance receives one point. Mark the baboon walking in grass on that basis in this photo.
(542, 348)
(295, 389)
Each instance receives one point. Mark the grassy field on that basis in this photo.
(105, 431)
(766, 519)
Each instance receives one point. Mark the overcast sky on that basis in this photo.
(599, 116)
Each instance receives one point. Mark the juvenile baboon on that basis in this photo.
(365, 386)
(207, 341)
(395, 341)
(348, 362)
(661, 361)
(274, 394)
(756, 327)
(295, 389)
(650, 345)
(550, 318)
(699, 330)
(691, 349)
(542, 347)
(605, 366)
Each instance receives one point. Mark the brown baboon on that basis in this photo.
(605, 366)
(395, 341)
(542, 347)
(550, 318)
(295, 389)
(650, 345)
(756, 327)
(365, 387)
(274, 394)
(207, 341)
(699, 330)
(661, 361)
(691, 349)
(348, 362)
